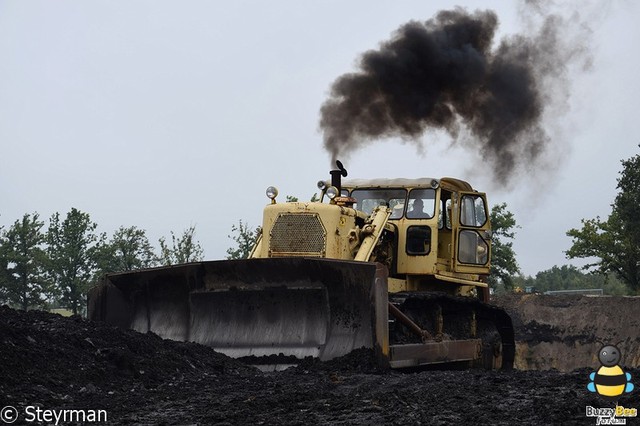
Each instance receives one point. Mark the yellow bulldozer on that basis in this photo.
(395, 265)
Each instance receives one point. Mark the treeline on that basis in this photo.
(568, 277)
(54, 266)
(610, 246)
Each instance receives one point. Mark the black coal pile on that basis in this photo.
(58, 363)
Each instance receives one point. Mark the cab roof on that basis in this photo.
(424, 182)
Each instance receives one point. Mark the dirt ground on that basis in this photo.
(57, 363)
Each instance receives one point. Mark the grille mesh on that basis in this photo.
(297, 233)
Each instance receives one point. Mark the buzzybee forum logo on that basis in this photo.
(610, 382)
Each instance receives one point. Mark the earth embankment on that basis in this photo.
(565, 332)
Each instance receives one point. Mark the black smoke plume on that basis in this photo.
(447, 74)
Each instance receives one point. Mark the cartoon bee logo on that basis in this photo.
(610, 381)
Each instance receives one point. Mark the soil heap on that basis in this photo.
(59, 363)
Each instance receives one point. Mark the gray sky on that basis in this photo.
(167, 114)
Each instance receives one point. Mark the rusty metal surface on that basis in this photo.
(458, 319)
(412, 355)
(292, 306)
(397, 313)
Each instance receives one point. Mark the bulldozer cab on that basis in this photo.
(438, 231)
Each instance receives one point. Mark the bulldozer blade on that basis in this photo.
(295, 307)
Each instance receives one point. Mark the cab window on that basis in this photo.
(444, 213)
(472, 248)
(368, 199)
(421, 204)
(472, 211)
(418, 240)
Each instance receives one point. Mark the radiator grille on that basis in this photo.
(297, 234)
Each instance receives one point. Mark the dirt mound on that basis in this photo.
(49, 358)
(363, 361)
(565, 332)
(61, 363)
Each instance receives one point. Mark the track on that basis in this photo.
(446, 317)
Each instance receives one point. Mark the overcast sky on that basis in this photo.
(166, 114)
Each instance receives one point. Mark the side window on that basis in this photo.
(418, 240)
(472, 248)
(422, 203)
(472, 211)
(444, 215)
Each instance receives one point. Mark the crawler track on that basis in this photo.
(446, 317)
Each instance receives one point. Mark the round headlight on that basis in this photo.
(332, 192)
(272, 192)
(322, 185)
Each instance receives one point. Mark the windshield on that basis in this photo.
(369, 199)
(422, 203)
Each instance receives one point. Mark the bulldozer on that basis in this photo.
(398, 266)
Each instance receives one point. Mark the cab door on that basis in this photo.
(472, 233)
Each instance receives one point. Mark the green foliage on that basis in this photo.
(245, 239)
(615, 242)
(568, 277)
(57, 267)
(129, 249)
(503, 259)
(184, 249)
(72, 249)
(4, 264)
(22, 262)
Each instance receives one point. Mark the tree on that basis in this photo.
(72, 248)
(4, 264)
(23, 262)
(129, 249)
(614, 243)
(503, 259)
(245, 239)
(183, 249)
(568, 277)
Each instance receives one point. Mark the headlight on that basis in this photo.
(322, 185)
(332, 192)
(272, 193)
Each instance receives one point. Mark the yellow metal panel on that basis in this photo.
(396, 285)
(337, 222)
(457, 279)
